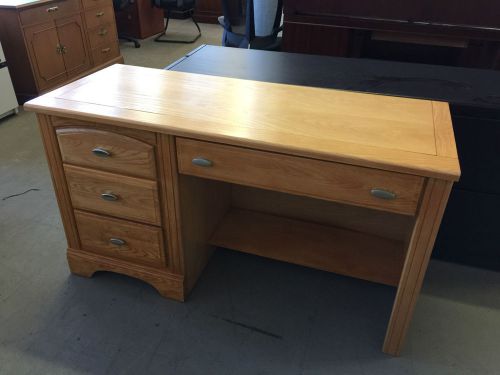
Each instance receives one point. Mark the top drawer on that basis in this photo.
(350, 184)
(107, 150)
(87, 4)
(49, 11)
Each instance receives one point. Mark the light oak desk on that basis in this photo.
(152, 169)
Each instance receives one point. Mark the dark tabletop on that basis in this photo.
(464, 86)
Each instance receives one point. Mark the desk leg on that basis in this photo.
(417, 258)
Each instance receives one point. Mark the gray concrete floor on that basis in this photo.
(247, 315)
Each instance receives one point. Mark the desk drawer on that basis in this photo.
(48, 12)
(106, 150)
(99, 16)
(315, 178)
(111, 194)
(106, 52)
(102, 35)
(120, 239)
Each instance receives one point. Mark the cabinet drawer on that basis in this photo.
(49, 11)
(99, 16)
(87, 4)
(111, 194)
(106, 150)
(104, 34)
(106, 52)
(120, 238)
(315, 178)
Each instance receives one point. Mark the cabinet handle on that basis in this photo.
(202, 162)
(110, 197)
(117, 241)
(63, 50)
(101, 152)
(99, 14)
(52, 9)
(59, 49)
(383, 194)
(103, 32)
(106, 50)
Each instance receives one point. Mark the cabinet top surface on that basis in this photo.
(22, 3)
(406, 135)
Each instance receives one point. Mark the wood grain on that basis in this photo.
(445, 138)
(128, 155)
(313, 178)
(417, 258)
(362, 129)
(85, 264)
(137, 198)
(143, 243)
(332, 249)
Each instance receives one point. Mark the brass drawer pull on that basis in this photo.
(102, 32)
(202, 162)
(52, 9)
(106, 50)
(99, 14)
(110, 197)
(117, 241)
(383, 194)
(101, 152)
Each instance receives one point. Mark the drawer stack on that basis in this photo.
(112, 183)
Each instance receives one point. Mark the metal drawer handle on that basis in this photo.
(99, 14)
(103, 32)
(202, 162)
(106, 50)
(383, 194)
(101, 152)
(117, 241)
(52, 9)
(110, 197)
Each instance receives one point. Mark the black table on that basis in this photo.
(470, 231)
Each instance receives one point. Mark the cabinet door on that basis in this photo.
(46, 58)
(72, 38)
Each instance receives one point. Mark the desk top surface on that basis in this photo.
(406, 135)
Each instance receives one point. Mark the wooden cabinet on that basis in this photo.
(140, 20)
(49, 43)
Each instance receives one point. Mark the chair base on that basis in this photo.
(129, 39)
(162, 40)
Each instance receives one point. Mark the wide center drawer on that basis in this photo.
(106, 150)
(345, 183)
(119, 238)
(116, 195)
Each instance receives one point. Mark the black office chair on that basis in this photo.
(239, 26)
(185, 7)
(119, 6)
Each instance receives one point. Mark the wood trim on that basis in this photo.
(443, 130)
(168, 284)
(417, 258)
(59, 180)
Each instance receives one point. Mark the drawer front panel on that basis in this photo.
(106, 52)
(120, 238)
(102, 35)
(49, 12)
(115, 195)
(87, 4)
(360, 186)
(99, 16)
(89, 148)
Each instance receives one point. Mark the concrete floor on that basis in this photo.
(247, 315)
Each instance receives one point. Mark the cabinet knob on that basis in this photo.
(101, 152)
(110, 197)
(103, 32)
(383, 194)
(52, 9)
(99, 14)
(117, 241)
(202, 162)
(106, 50)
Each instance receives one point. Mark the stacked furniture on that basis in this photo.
(49, 43)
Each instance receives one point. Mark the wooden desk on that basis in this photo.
(345, 182)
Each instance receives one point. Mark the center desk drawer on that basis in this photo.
(112, 194)
(345, 183)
